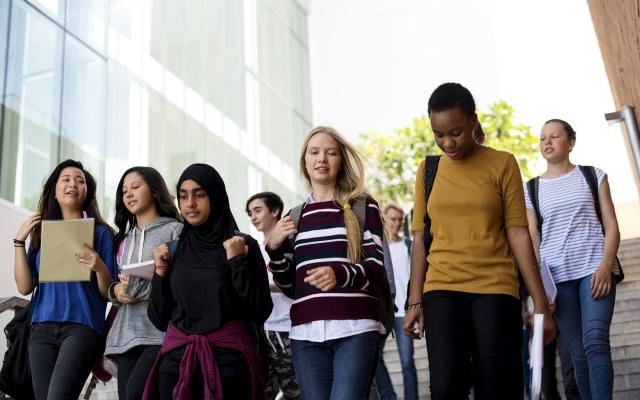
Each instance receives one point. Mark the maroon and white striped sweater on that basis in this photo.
(322, 241)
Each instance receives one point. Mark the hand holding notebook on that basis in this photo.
(142, 269)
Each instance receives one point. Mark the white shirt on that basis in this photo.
(279, 320)
(401, 265)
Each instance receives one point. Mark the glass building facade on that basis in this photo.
(165, 83)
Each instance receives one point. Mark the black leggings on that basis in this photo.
(133, 370)
(473, 340)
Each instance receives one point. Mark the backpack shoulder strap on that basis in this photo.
(592, 180)
(532, 188)
(430, 171)
(408, 243)
(173, 246)
(590, 176)
(295, 214)
(359, 207)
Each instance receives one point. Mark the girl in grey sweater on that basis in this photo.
(146, 217)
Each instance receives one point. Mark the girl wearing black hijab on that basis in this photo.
(206, 294)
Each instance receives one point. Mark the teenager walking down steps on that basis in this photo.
(466, 302)
(146, 217)
(578, 240)
(67, 319)
(331, 268)
(209, 293)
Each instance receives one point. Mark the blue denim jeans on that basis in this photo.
(339, 369)
(61, 356)
(382, 382)
(405, 348)
(585, 325)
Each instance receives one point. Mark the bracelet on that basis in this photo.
(16, 241)
(159, 267)
(18, 245)
(112, 291)
(414, 305)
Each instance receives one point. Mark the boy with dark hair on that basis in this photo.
(264, 210)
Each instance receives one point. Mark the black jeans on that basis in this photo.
(473, 340)
(61, 356)
(133, 370)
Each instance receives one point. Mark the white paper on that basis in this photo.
(536, 355)
(143, 269)
(547, 282)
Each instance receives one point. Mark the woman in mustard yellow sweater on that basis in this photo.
(466, 301)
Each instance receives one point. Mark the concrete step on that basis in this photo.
(627, 338)
(629, 252)
(630, 255)
(626, 352)
(620, 327)
(631, 276)
(625, 316)
(629, 286)
(630, 265)
(629, 243)
(627, 382)
(628, 305)
(632, 394)
(625, 329)
(626, 294)
(628, 366)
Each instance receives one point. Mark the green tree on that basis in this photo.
(392, 160)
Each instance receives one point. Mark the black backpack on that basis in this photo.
(15, 375)
(382, 290)
(592, 180)
(430, 171)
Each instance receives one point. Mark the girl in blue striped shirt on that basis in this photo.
(581, 254)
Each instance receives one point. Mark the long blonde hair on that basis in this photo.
(349, 186)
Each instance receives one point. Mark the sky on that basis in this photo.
(374, 64)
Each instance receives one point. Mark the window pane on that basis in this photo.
(4, 31)
(87, 19)
(31, 105)
(53, 8)
(83, 108)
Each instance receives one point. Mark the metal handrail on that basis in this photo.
(13, 303)
(627, 115)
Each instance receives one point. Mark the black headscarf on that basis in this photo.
(197, 241)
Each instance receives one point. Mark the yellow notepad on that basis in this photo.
(60, 241)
